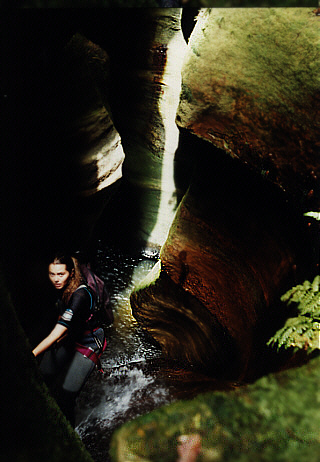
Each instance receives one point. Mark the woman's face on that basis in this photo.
(58, 275)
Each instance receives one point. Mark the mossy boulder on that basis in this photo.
(251, 87)
(275, 419)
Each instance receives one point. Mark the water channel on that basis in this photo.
(136, 379)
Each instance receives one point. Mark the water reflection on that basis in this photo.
(136, 379)
(122, 272)
(130, 384)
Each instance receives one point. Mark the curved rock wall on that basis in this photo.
(251, 87)
(231, 251)
(86, 120)
(234, 242)
(144, 100)
(238, 239)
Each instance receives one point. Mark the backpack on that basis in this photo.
(102, 311)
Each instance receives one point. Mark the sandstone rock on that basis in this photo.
(181, 324)
(148, 86)
(235, 241)
(231, 251)
(251, 87)
(88, 121)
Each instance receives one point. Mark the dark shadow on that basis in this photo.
(188, 19)
(234, 198)
(40, 178)
(134, 106)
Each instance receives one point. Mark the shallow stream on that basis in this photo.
(136, 380)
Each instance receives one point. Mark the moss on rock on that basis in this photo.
(251, 87)
(275, 419)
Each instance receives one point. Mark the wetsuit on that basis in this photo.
(65, 369)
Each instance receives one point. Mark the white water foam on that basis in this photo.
(123, 390)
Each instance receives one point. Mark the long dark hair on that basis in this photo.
(73, 267)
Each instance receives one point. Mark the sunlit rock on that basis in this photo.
(251, 87)
(147, 97)
(88, 121)
(230, 251)
(235, 242)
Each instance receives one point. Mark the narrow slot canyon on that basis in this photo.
(176, 149)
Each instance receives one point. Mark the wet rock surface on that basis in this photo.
(137, 378)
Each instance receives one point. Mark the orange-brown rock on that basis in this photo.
(230, 252)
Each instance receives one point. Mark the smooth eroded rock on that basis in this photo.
(88, 122)
(251, 87)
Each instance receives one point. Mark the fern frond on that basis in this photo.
(294, 292)
(316, 284)
(303, 330)
(309, 303)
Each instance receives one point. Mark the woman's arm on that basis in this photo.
(56, 334)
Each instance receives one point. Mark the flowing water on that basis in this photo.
(129, 385)
(135, 380)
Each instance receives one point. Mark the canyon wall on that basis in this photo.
(245, 168)
(251, 87)
(249, 94)
(63, 159)
(144, 101)
(64, 155)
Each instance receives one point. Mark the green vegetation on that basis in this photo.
(276, 419)
(301, 331)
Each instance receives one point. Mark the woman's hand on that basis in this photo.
(55, 335)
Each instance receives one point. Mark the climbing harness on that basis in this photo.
(89, 352)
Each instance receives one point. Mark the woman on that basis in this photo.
(72, 348)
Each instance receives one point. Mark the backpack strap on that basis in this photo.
(96, 285)
(100, 345)
(83, 286)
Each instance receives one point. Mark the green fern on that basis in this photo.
(303, 330)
